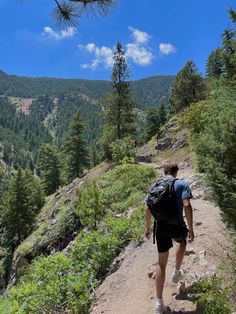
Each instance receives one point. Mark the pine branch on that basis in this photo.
(69, 13)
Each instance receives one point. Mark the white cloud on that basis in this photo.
(67, 33)
(138, 54)
(139, 36)
(137, 51)
(167, 48)
(103, 55)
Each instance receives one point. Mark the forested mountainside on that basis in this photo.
(46, 120)
(148, 91)
(38, 110)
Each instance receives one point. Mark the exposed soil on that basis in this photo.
(129, 290)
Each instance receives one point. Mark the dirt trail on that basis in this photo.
(129, 290)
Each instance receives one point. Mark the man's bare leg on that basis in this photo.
(161, 273)
(180, 250)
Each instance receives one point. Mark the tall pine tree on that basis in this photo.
(215, 64)
(19, 215)
(50, 168)
(75, 147)
(189, 87)
(119, 104)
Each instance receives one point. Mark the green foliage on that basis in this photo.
(63, 283)
(213, 128)
(149, 91)
(119, 104)
(229, 48)
(155, 118)
(125, 186)
(89, 208)
(211, 296)
(76, 149)
(21, 135)
(189, 87)
(122, 148)
(24, 202)
(215, 64)
(50, 168)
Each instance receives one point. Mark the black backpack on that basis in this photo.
(161, 200)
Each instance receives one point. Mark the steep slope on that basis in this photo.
(131, 289)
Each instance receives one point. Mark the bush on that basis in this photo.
(211, 297)
(125, 186)
(63, 283)
(213, 129)
(122, 148)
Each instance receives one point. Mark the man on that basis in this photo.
(174, 228)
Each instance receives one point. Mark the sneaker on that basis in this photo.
(177, 275)
(160, 308)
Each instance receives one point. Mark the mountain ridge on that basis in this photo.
(149, 91)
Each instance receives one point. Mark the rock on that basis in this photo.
(194, 258)
(163, 144)
(182, 288)
(189, 252)
(202, 254)
(203, 262)
(180, 142)
(150, 274)
(198, 223)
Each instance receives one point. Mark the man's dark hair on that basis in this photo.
(170, 169)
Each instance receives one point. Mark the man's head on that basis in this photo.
(171, 169)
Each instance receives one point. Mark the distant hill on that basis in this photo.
(148, 91)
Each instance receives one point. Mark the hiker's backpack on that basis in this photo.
(161, 200)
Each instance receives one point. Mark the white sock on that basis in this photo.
(159, 301)
(177, 271)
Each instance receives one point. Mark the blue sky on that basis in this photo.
(159, 37)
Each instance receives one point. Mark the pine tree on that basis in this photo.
(215, 64)
(50, 168)
(229, 48)
(189, 87)
(69, 13)
(18, 217)
(90, 208)
(76, 149)
(119, 104)
(155, 118)
(34, 189)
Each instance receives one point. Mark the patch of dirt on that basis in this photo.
(131, 289)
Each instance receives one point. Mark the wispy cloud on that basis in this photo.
(103, 55)
(48, 32)
(167, 48)
(139, 36)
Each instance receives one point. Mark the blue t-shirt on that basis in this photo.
(182, 191)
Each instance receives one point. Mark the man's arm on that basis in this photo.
(148, 230)
(189, 216)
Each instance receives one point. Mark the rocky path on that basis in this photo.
(130, 290)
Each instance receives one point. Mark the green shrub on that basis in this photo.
(61, 283)
(123, 148)
(89, 208)
(124, 186)
(211, 297)
(213, 129)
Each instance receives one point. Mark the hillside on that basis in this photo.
(77, 259)
(149, 91)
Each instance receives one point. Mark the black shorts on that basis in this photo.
(165, 232)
